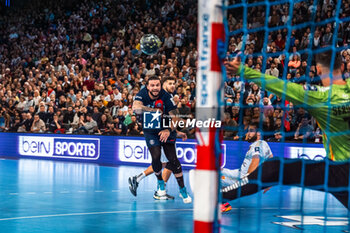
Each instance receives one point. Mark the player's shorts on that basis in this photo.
(229, 177)
(152, 139)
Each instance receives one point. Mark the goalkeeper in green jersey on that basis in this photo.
(330, 106)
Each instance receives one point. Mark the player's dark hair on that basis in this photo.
(325, 59)
(154, 77)
(166, 78)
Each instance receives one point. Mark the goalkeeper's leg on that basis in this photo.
(268, 174)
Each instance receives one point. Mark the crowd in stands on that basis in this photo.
(75, 66)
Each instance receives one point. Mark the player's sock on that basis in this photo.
(140, 177)
(159, 175)
(184, 195)
(180, 181)
(161, 188)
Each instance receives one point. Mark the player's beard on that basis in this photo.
(155, 96)
(253, 139)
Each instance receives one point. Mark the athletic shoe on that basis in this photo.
(166, 197)
(133, 184)
(226, 207)
(161, 188)
(184, 195)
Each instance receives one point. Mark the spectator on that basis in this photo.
(280, 43)
(229, 93)
(38, 125)
(89, 126)
(134, 129)
(327, 37)
(42, 112)
(103, 124)
(304, 130)
(118, 127)
(183, 109)
(96, 115)
(229, 125)
(294, 64)
(28, 122)
(14, 127)
(128, 117)
(55, 126)
(272, 70)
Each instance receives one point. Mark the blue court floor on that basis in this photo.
(48, 196)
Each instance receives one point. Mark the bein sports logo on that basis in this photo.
(136, 151)
(310, 153)
(59, 147)
(151, 120)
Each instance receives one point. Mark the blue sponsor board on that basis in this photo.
(72, 147)
(136, 151)
(111, 150)
(64, 147)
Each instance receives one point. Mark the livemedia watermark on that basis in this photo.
(157, 120)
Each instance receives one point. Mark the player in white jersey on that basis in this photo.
(258, 152)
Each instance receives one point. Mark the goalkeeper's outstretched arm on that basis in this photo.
(295, 93)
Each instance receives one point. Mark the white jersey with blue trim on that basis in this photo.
(259, 149)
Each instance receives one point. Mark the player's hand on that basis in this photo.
(182, 135)
(232, 66)
(163, 135)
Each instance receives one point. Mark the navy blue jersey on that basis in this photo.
(163, 102)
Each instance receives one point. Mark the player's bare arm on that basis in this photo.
(139, 108)
(254, 164)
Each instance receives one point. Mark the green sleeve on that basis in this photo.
(293, 92)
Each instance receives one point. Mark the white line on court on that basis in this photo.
(92, 213)
(65, 192)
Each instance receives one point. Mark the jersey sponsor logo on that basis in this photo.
(257, 149)
(151, 120)
(297, 221)
(59, 147)
(136, 151)
(137, 97)
(341, 109)
(308, 87)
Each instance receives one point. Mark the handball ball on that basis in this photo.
(150, 44)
